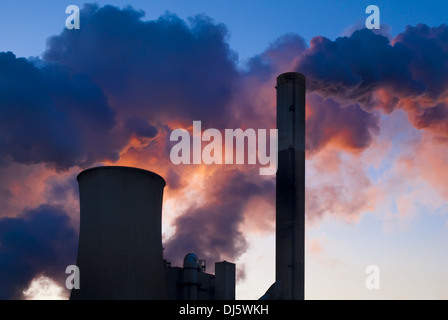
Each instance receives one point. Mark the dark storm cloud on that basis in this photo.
(39, 241)
(166, 67)
(50, 115)
(212, 230)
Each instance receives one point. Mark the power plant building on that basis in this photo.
(120, 254)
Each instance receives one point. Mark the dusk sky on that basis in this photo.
(111, 93)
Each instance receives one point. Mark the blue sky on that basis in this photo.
(25, 25)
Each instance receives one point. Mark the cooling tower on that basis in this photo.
(290, 186)
(120, 241)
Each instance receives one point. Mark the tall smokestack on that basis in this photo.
(290, 187)
(120, 240)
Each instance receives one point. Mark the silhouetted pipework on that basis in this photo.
(290, 186)
(120, 241)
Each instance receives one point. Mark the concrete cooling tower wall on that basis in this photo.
(120, 241)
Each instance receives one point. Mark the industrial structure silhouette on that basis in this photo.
(120, 254)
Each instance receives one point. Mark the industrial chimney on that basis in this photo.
(290, 186)
(120, 241)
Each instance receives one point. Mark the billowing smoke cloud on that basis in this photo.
(352, 82)
(94, 89)
(350, 128)
(368, 69)
(85, 102)
(166, 69)
(141, 127)
(352, 68)
(40, 241)
(276, 57)
(52, 116)
(429, 50)
(212, 229)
